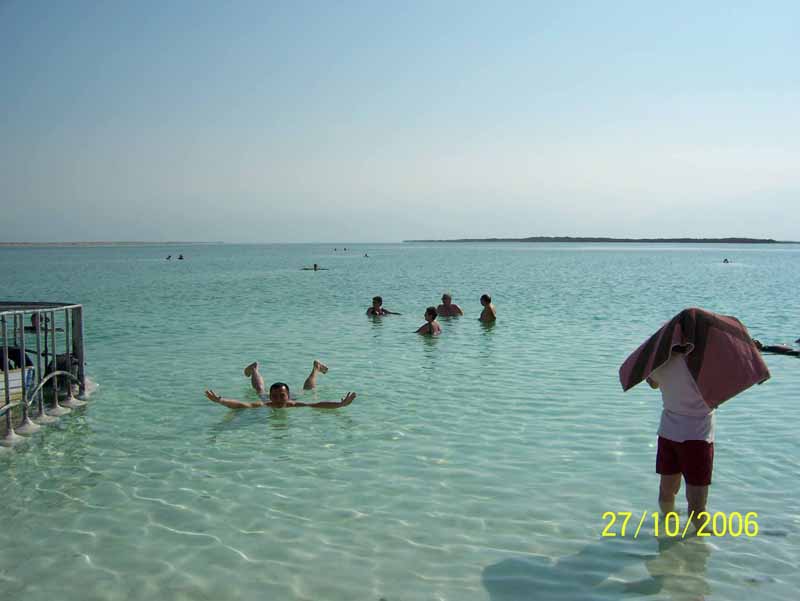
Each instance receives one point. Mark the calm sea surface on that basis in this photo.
(474, 466)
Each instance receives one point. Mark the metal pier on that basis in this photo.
(39, 389)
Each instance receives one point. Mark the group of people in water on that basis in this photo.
(278, 395)
(448, 308)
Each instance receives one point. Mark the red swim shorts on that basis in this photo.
(692, 458)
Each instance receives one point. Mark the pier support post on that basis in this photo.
(70, 401)
(42, 418)
(26, 426)
(80, 353)
(11, 438)
(56, 409)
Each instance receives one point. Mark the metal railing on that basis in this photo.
(52, 325)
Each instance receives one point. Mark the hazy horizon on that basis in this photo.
(287, 122)
(741, 240)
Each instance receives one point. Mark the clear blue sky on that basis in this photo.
(374, 121)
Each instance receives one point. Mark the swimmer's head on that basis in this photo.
(377, 301)
(446, 299)
(279, 393)
(431, 313)
(486, 299)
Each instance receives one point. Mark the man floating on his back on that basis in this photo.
(278, 396)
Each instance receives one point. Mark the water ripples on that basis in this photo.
(473, 466)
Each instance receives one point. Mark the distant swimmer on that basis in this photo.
(180, 257)
(315, 268)
(431, 327)
(169, 257)
(448, 308)
(366, 255)
(777, 349)
(278, 396)
(489, 313)
(726, 260)
(376, 310)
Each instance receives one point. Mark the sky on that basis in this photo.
(298, 121)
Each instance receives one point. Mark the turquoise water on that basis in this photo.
(473, 466)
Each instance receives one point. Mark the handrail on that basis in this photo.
(5, 408)
(51, 375)
(44, 320)
(34, 392)
(37, 308)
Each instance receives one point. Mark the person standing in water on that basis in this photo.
(489, 314)
(448, 308)
(377, 310)
(431, 327)
(685, 436)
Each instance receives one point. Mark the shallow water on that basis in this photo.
(476, 465)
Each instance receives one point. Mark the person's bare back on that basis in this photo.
(431, 327)
(489, 313)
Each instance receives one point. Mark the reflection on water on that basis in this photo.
(376, 323)
(679, 568)
(249, 423)
(234, 420)
(676, 568)
(278, 420)
(430, 356)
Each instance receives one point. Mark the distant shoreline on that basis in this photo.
(29, 244)
(533, 239)
(627, 240)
